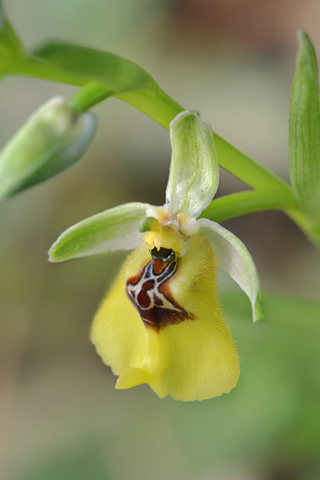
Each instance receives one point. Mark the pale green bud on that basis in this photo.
(51, 140)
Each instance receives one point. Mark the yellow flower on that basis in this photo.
(161, 323)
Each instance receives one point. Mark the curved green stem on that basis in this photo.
(88, 96)
(270, 191)
(156, 105)
(237, 204)
(161, 108)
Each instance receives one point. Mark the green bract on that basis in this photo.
(51, 140)
(87, 64)
(192, 182)
(304, 133)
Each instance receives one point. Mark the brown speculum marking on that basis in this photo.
(149, 291)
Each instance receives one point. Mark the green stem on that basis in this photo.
(162, 109)
(241, 203)
(270, 191)
(88, 96)
(156, 105)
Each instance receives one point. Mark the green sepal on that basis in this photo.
(51, 141)
(233, 256)
(87, 64)
(194, 172)
(304, 132)
(114, 229)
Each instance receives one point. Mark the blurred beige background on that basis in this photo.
(60, 417)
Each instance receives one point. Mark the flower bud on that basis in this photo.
(51, 140)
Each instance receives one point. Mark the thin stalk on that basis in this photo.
(156, 105)
(88, 96)
(242, 203)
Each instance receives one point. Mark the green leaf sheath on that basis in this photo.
(304, 133)
(236, 204)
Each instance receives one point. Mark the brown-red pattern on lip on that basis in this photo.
(150, 293)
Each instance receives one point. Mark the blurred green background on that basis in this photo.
(60, 417)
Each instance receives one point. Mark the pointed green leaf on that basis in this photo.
(114, 229)
(194, 173)
(86, 64)
(233, 256)
(304, 132)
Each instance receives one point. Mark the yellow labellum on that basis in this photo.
(186, 350)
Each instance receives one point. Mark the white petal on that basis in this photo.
(194, 172)
(114, 229)
(233, 256)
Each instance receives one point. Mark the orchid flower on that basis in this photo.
(161, 323)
